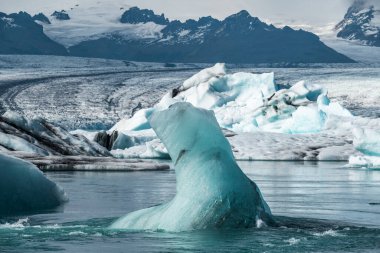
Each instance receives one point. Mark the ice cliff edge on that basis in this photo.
(212, 191)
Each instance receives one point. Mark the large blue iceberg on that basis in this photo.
(212, 191)
(23, 188)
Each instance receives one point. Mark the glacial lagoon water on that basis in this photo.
(319, 207)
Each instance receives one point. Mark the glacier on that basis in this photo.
(286, 122)
(23, 188)
(212, 191)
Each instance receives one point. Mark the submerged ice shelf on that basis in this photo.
(212, 191)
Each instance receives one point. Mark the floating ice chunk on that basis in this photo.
(370, 162)
(23, 188)
(305, 92)
(331, 108)
(212, 191)
(204, 76)
(306, 119)
(139, 121)
(367, 141)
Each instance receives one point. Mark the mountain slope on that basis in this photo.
(240, 38)
(361, 23)
(141, 35)
(19, 34)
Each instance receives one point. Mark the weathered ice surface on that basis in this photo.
(212, 191)
(51, 147)
(23, 188)
(38, 136)
(367, 142)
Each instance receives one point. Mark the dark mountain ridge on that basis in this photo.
(239, 38)
(361, 23)
(19, 34)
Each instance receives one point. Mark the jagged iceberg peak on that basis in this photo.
(24, 189)
(212, 191)
(366, 141)
(247, 102)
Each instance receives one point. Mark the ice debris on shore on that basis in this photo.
(212, 191)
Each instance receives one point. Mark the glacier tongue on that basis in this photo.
(23, 188)
(212, 191)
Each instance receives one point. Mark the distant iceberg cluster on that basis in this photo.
(212, 191)
(246, 102)
(286, 122)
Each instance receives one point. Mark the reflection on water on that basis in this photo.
(323, 190)
(319, 207)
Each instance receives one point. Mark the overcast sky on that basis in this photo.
(292, 12)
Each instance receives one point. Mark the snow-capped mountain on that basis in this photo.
(141, 35)
(240, 38)
(19, 34)
(361, 23)
(135, 16)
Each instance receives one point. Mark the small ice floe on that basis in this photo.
(367, 142)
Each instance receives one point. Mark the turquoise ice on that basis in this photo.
(212, 191)
(23, 188)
